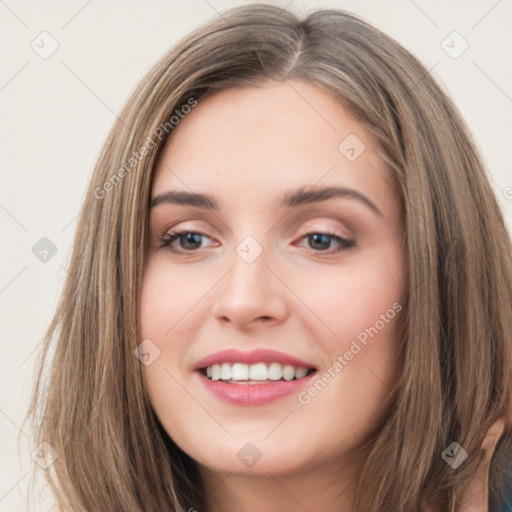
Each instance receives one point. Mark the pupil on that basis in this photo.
(192, 238)
(320, 237)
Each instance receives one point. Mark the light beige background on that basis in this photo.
(55, 114)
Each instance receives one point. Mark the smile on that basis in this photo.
(256, 377)
(241, 373)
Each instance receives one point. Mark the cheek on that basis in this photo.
(170, 298)
(362, 301)
(358, 312)
(164, 300)
(173, 305)
(363, 359)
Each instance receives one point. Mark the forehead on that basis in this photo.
(266, 139)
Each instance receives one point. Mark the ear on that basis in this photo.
(475, 497)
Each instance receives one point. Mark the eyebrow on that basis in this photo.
(291, 199)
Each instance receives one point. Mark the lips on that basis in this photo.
(252, 392)
(260, 355)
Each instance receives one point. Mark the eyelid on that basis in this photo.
(327, 224)
(309, 226)
(317, 218)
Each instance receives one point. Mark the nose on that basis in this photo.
(250, 296)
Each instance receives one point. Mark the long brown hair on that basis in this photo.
(89, 402)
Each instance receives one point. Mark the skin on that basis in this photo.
(247, 147)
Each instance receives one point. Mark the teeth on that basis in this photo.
(258, 371)
(275, 371)
(301, 372)
(254, 372)
(240, 372)
(225, 371)
(288, 372)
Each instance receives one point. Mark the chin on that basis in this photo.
(277, 464)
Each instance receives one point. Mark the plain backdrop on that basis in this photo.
(56, 110)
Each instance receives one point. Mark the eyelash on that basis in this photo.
(168, 238)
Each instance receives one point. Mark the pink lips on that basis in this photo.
(252, 394)
(259, 355)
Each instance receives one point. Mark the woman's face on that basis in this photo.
(262, 269)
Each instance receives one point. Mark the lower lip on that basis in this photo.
(254, 394)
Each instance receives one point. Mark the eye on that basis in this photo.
(321, 242)
(189, 241)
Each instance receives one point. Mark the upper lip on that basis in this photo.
(259, 355)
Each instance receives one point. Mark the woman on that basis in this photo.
(337, 335)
